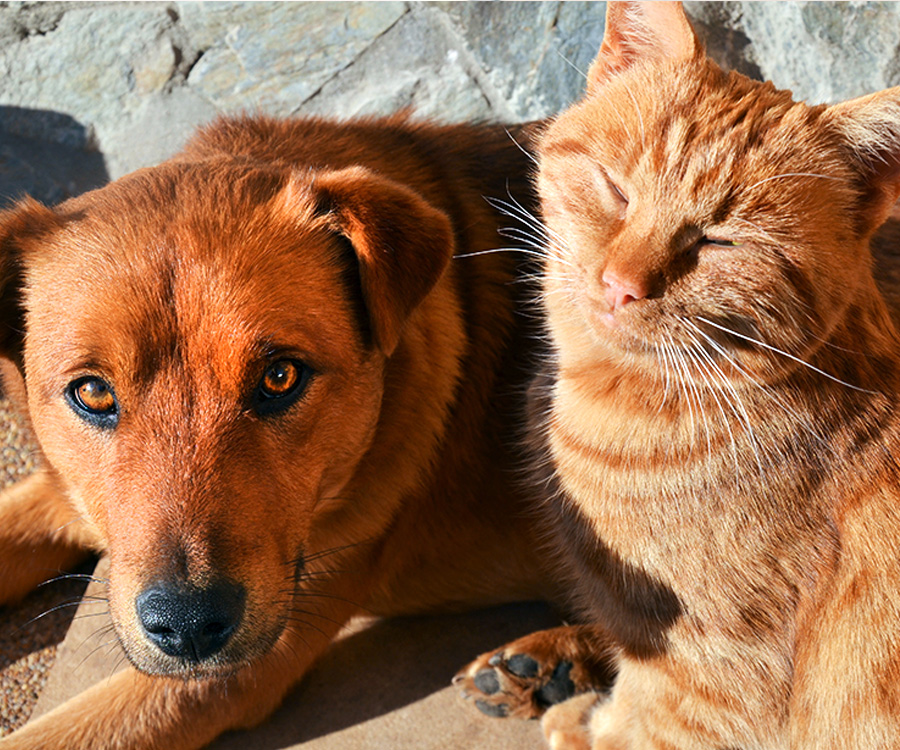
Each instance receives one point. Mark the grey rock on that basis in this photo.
(822, 51)
(155, 130)
(274, 56)
(49, 172)
(418, 64)
(97, 66)
(126, 83)
(534, 55)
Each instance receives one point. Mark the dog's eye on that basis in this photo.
(93, 400)
(282, 383)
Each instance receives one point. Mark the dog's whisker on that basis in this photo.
(86, 615)
(117, 666)
(298, 611)
(298, 634)
(305, 575)
(309, 625)
(104, 644)
(284, 644)
(312, 557)
(57, 608)
(72, 577)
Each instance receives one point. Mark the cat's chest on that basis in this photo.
(605, 444)
(675, 478)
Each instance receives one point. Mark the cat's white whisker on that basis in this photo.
(694, 367)
(783, 353)
(523, 236)
(640, 117)
(792, 413)
(521, 147)
(685, 382)
(662, 350)
(545, 247)
(758, 228)
(715, 390)
(735, 402)
(495, 250)
(530, 225)
(568, 62)
(534, 233)
(793, 174)
(515, 210)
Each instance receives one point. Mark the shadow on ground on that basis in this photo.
(47, 155)
(382, 672)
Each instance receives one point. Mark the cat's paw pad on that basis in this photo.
(507, 683)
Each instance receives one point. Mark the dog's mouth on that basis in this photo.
(197, 632)
(210, 632)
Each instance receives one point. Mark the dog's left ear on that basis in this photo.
(402, 243)
(21, 227)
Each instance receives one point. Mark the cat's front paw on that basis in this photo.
(527, 676)
(503, 684)
(567, 726)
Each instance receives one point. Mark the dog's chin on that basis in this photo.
(243, 652)
(188, 671)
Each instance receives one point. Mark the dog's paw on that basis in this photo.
(529, 675)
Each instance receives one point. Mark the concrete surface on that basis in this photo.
(384, 685)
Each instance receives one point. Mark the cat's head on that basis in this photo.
(692, 208)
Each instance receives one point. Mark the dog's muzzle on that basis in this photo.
(191, 623)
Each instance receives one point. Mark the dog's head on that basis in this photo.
(203, 347)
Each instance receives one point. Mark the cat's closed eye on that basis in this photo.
(619, 193)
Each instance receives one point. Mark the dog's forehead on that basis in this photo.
(187, 266)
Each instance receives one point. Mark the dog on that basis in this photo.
(263, 385)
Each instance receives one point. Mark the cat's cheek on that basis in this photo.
(600, 320)
(591, 307)
(575, 339)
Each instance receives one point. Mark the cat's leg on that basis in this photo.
(525, 677)
(40, 535)
(660, 703)
(618, 720)
(846, 680)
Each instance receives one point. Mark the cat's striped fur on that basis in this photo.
(724, 418)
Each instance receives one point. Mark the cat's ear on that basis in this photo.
(870, 127)
(637, 32)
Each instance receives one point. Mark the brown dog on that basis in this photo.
(264, 389)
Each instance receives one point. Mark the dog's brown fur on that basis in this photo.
(386, 486)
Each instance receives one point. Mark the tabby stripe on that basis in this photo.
(671, 458)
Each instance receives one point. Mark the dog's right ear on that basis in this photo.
(20, 228)
(402, 243)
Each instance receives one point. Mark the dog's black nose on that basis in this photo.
(192, 624)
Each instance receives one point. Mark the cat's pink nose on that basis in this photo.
(620, 290)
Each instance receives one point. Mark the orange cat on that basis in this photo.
(723, 419)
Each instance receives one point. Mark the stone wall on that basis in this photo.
(90, 91)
